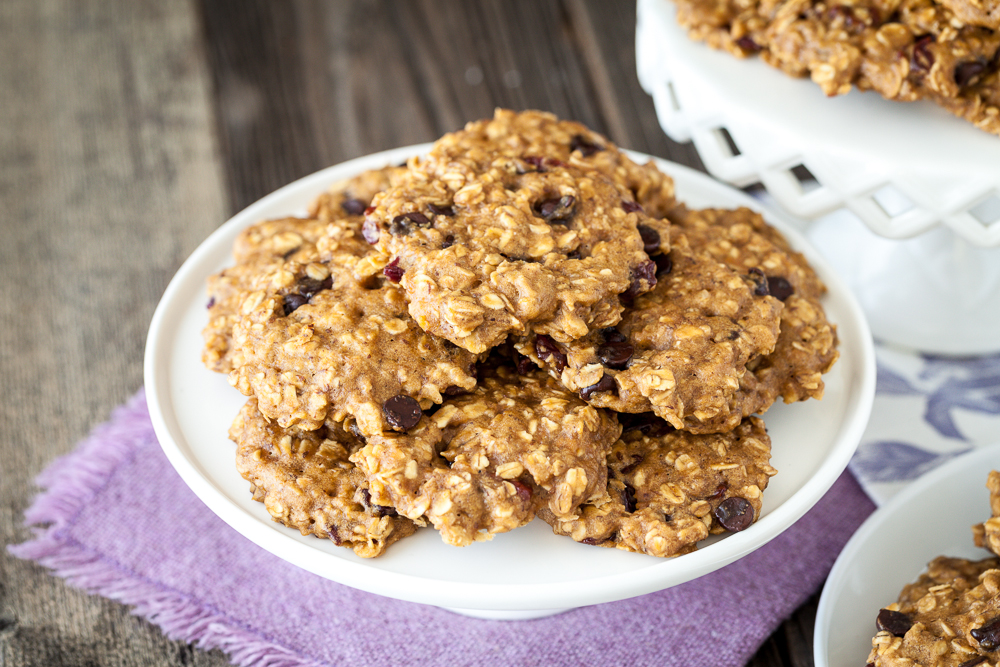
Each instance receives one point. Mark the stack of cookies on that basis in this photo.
(522, 323)
(950, 616)
(945, 51)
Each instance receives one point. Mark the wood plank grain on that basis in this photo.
(108, 181)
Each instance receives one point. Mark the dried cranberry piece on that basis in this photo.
(988, 636)
(606, 383)
(556, 210)
(441, 210)
(628, 498)
(631, 206)
(523, 490)
(377, 510)
(393, 271)
(335, 537)
(523, 363)
(402, 412)
(664, 264)
(370, 231)
(643, 280)
(922, 58)
(760, 282)
(967, 71)
(293, 302)
(584, 145)
(748, 44)
(615, 355)
(593, 541)
(650, 239)
(719, 490)
(734, 514)
(779, 287)
(547, 350)
(353, 206)
(894, 622)
(403, 225)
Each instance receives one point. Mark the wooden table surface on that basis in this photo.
(129, 130)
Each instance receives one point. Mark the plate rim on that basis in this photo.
(508, 596)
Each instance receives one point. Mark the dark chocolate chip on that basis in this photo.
(403, 225)
(308, 287)
(922, 58)
(547, 350)
(393, 272)
(894, 622)
(645, 422)
(615, 355)
(643, 280)
(584, 145)
(760, 282)
(293, 302)
(523, 363)
(779, 287)
(370, 231)
(966, 72)
(402, 412)
(353, 206)
(441, 210)
(988, 636)
(734, 514)
(448, 242)
(748, 44)
(631, 206)
(556, 210)
(628, 498)
(650, 239)
(664, 264)
(606, 383)
(612, 335)
(455, 390)
(211, 302)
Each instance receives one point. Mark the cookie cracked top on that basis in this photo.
(668, 489)
(484, 463)
(489, 241)
(306, 481)
(318, 342)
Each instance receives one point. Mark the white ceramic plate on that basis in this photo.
(931, 517)
(527, 570)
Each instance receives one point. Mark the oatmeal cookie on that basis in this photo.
(987, 534)
(485, 462)
(306, 481)
(492, 241)
(948, 618)
(943, 51)
(681, 351)
(669, 489)
(319, 342)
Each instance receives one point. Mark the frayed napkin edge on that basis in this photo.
(74, 479)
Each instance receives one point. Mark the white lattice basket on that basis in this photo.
(907, 171)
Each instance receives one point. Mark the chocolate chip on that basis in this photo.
(393, 272)
(966, 72)
(211, 302)
(612, 335)
(760, 282)
(643, 280)
(353, 206)
(523, 363)
(523, 490)
(779, 287)
(547, 350)
(734, 514)
(974, 661)
(650, 239)
(606, 383)
(664, 264)
(403, 225)
(370, 231)
(441, 210)
(293, 302)
(615, 355)
(455, 390)
(556, 210)
(584, 145)
(922, 58)
(894, 622)
(645, 422)
(988, 636)
(748, 44)
(308, 287)
(402, 412)
(631, 206)
(628, 498)
(448, 242)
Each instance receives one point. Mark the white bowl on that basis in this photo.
(527, 572)
(931, 517)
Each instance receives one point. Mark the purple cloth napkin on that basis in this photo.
(120, 523)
